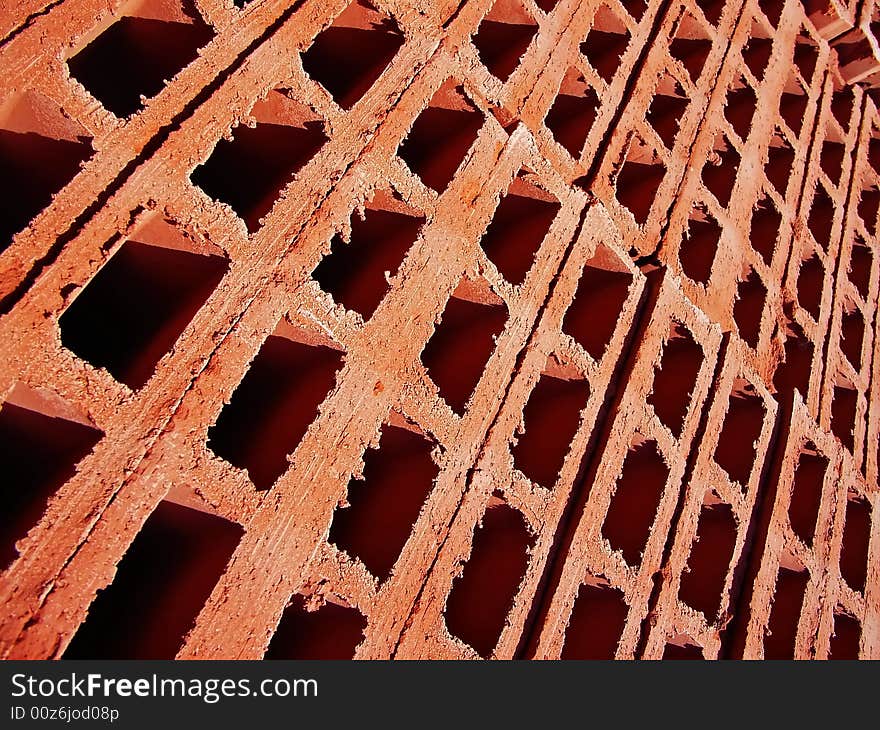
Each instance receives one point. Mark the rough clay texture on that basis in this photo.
(492, 328)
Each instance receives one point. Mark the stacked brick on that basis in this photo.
(389, 329)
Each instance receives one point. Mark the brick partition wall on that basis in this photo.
(453, 329)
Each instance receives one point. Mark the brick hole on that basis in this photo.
(160, 586)
(764, 229)
(551, 418)
(461, 346)
(806, 494)
(133, 310)
(666, 109)
(793, 105)
(264, 157)
(330, 631)
(483, 593)
(41, 151)
(869, 203)
(712, 9)
(794, 373)
(675, 378)
(772, 10)
(806, 56)
(756, 52)
(518, 228)
(43, 441)
(357, 273)
(861, 261)
(748, 309)
(348, 57)
(780, 162)
(503, 37)
(736, 452)
(739, 109)
(842, 107)
(635, 8)
(597, 620)
(873, 152)
(638, 181)
(720, 171)
(274, 404)
(810, 284)
(546, 5)
(382, 508)
(702, 582)
(691, 46)
(831, 160)
(441, 137)
(847, 637)
(135, 55)
(844, 405)
(821, 218)
(788, 601)
(852, 336)
(699, 245)
(606, 43)
(682, 647)
(856, 542)
(598, 302)
(573, 112)
(636, 499)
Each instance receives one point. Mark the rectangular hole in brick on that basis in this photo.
(547, 5)
(842, 107)
(382, 508)
(794, 373)
(666, 109)
(743, 422)
(793, 105)
(518, 228)
(844, 405)
(699, 245)
(441, 137)
(869, 203)
(275, 403)
(550, 420)
(636, 8)
(638, 181)
(597, 620)
(573, 112)
(596, 308)
(483, 593)
(720, 171)
(41, 151)
(690, 46)
(860, 263)
(137, 53)
(675, 378)
(788, 601)
(702, 582)
(357, 272)
(764, 230)
(636, 499)
(873, 153)
(739, 108)
(682, 647)
(757, 50)
(317, 630)
(133, 310)
(772, 10)
(712, 9)
(806, 56)
(462, 343)
(748, 309)
(43, 440)
(810, 283)
(806, 494)
(856, 542)
(821, 218)
(846, 638)
(504, 36)
(160, 586)
(852, 336)
(348, 57)
(249, 171)
(780, 162)
(606, 42)
(831, 159)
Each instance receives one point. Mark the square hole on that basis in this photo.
(806, 494)
(606, 43)
(699, 245)
(852, 335)
(757, 51)
(691, 46)
(831, 160)
(820, 220)
(795, 371)
(573, 112)
(793, 105)
(787, 605)
(739, 108)
(861, 262)
(133, 310)
(806, 56)
(869, 204)
(597, 621)
(675, 378)
(327, 631)
(748, 310)
(666, 109)
(844, 408)
(638, 181)
(503, 37)
(736, 451)
(780, 162)
(720, 171)
(764, 229)
(810, 285)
